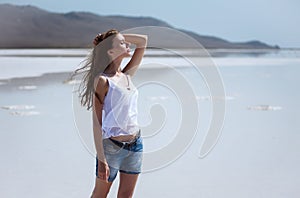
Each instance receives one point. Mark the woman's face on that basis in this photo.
(120, 47)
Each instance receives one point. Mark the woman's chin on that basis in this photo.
(127, 54)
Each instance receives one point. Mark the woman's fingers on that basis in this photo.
(103, 171)
(107, 173)
(102, 176)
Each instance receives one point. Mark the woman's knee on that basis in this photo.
(101, 189)
(125, 194)
(98, 194)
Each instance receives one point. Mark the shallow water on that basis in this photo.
(44, 155)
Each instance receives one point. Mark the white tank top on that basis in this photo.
(120, 109)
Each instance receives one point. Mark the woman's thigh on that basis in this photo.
(127, 184)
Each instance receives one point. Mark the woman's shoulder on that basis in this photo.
(100, 81)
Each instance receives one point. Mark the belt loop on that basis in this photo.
(139, 134)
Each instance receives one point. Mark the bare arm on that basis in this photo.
(97, 130)
(101, 87)
(140, 41)
(101, 90)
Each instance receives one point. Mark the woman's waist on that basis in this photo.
(127, 138)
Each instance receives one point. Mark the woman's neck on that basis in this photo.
(114, 67)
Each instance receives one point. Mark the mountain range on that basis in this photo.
(31, 27)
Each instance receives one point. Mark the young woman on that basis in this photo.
(108, 89)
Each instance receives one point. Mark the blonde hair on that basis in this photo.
(94, 64)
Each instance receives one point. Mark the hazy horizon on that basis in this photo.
(269, 21)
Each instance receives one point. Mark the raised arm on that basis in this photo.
(140, 41)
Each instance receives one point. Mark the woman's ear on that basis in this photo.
(110, 52)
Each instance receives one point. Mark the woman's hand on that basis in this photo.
(139, 40)
(141, 43)
(103, 170)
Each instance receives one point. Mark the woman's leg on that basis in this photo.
(127, 185)
(101, 188)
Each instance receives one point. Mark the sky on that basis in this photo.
(275, 22)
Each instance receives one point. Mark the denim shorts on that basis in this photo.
(123, 157)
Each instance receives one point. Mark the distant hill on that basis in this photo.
(31, 27)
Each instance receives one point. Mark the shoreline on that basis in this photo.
(40, 80)
(62, 62)
(46, 78)
(167, 52)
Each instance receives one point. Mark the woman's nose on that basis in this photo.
(128, 44)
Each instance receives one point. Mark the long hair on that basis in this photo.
(95, 63)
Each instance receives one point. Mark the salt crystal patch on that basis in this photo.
(24, 113)
(27, 87)
(18, 107)
(264, 108)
